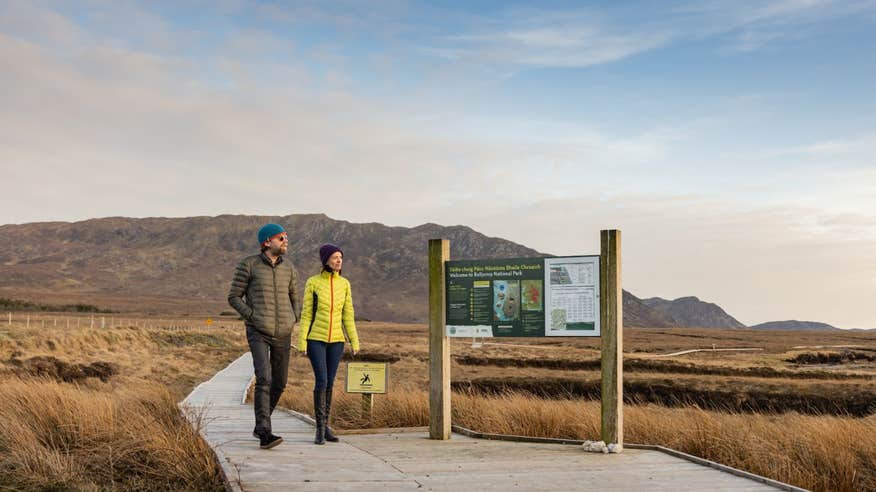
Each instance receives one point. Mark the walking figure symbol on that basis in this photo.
(366, 379)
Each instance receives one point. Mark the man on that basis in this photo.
(263, 292)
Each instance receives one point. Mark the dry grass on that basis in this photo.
(57, 436)
(179, 358)
(819, 452)
(121, 432)
(824, 453)
(116, 434)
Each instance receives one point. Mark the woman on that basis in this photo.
(327, 310)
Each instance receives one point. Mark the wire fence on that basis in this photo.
(67, 321)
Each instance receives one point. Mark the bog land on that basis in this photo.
(94, 406)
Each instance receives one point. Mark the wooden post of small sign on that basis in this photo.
(439, 344)
(611, 325)
(368, 407)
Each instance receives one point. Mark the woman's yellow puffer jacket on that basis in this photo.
(334, 312)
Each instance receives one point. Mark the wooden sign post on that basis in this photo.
(439, 344)
(612, 322)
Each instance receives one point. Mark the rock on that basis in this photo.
(595, 447)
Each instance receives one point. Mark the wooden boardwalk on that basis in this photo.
(411, 461)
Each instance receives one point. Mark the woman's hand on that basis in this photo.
(355, 351)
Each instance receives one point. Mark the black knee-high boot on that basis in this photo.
(319, 414)
(329, 435)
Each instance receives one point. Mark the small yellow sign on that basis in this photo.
(367, 377)
(209, 321)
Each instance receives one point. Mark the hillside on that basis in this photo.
(690, 312)
(793, 325)
(183, 265)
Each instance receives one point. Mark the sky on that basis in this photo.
(732, 142)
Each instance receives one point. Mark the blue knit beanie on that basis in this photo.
(268, 231)
(327, 250)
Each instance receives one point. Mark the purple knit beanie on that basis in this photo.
(327, 250)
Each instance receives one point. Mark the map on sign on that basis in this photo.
(506, 296)
(523, 297)
(572, 294)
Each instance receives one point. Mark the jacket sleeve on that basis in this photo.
(306, 318)
(293, 297)
(239, 284)
(349, 319)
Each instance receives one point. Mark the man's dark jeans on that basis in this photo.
(270, 359)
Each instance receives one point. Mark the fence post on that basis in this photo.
(439, 344)
(611, 327)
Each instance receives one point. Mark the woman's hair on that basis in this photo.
(326, 268)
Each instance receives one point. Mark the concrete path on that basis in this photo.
(411, 461)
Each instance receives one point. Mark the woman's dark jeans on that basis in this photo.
(324, 358)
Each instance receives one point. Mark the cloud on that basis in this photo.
(557, 39)
(581, 37)
(749, 25)
(120, 121)
(24, 19)
(863, 146)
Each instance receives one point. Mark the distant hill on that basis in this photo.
(179, 263)
(184, 265)
(690, 312)
(638, 314)
(793, 325)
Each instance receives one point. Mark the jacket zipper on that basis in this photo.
(276, 305)
(332, 309)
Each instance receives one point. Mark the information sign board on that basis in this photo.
(523, 297)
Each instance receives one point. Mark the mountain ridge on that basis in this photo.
(794, 325)
(184, 264)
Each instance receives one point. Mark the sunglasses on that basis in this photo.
(282, 238)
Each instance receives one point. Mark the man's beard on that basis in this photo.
(278, 250)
